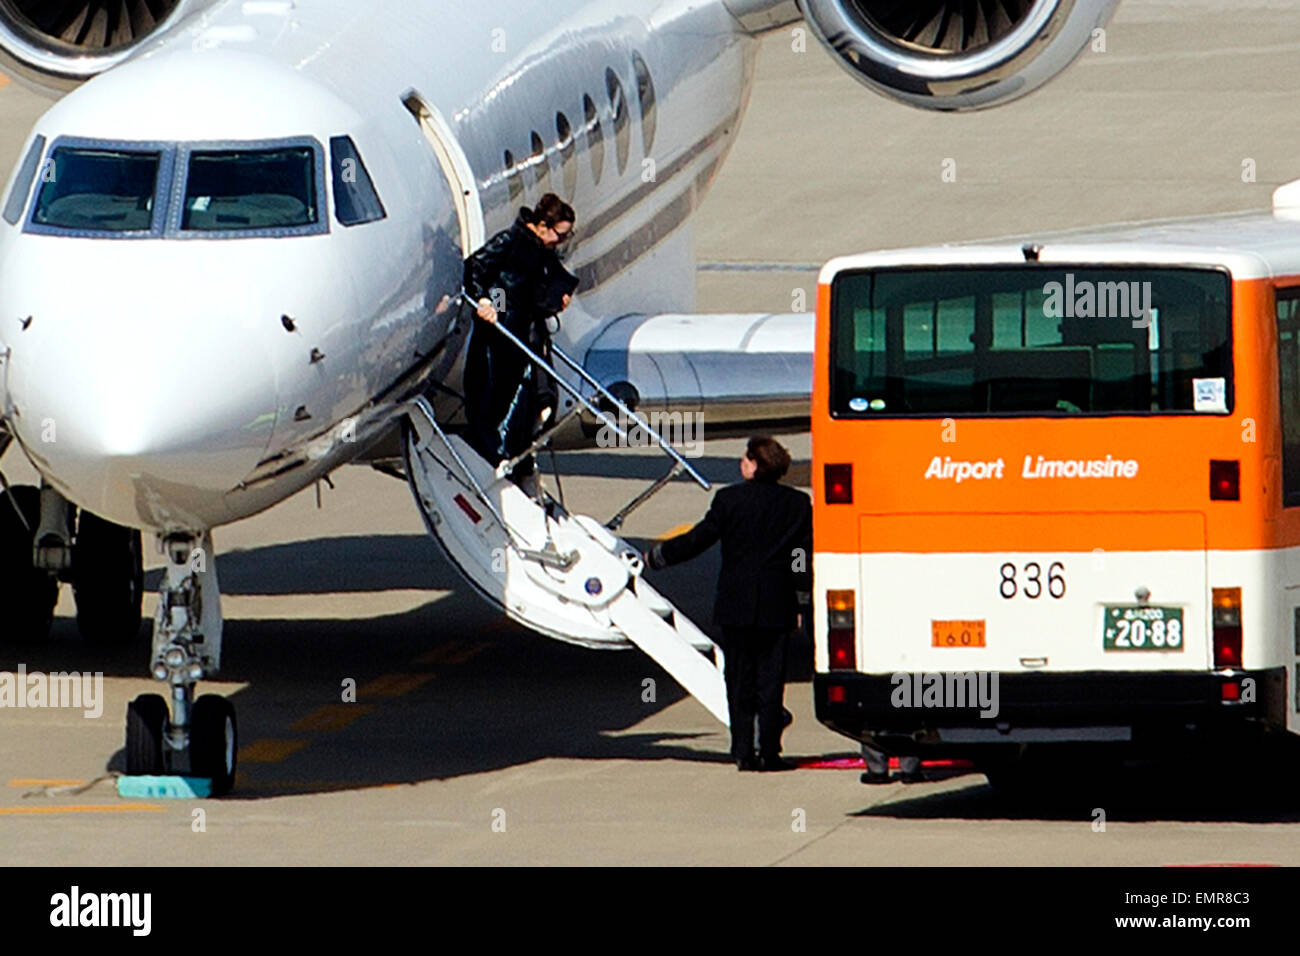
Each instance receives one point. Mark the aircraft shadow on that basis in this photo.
(473, 691)
(521, 699)
(341, 565)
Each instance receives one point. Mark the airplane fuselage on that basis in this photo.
(177, 380)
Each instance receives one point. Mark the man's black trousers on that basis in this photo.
(755, 674)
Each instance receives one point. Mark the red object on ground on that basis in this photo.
(857, 763)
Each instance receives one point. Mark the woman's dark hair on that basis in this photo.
(770, 456)
(550, 211)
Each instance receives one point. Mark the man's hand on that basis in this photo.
(486, 312)
(655, 558)
(565, 302)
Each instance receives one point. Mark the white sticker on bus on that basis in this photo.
(1209, 395)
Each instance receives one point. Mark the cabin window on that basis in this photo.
(645, 91)
(512, 177)
(618, 112)
(98, 190)
(564, 143)
(540, 165)
(355, 198)
(23, 184)
(595, 137)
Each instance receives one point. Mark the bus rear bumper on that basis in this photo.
(910, 713)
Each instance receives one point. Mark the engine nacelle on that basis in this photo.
(956, 54)
(53, 45)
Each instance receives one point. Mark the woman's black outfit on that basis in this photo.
(504, 394)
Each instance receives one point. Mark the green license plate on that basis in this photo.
(1130, 627)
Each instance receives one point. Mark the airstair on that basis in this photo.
(564, 575)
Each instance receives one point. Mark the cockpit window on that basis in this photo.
(98, 190)
(23, 182)
(230, 190)
(355, 199)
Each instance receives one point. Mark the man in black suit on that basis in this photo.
(766, 534)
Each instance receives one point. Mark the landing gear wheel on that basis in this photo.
(214, 741)
(146, 723)
(30, 594)
(108, 581)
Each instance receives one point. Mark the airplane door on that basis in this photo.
(455, 166)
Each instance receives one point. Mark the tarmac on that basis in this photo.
(473, 741)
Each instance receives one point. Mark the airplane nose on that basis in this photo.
(147, 422)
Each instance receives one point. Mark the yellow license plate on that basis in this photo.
(957, 633)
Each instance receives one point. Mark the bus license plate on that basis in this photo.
(1130, 627)
(957, 633)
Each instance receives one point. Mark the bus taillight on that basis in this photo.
(840, 637)
(839, 484)
(1227, 627)
(1225, 480)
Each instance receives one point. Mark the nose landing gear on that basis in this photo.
(201, 736)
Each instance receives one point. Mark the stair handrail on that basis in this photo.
(667, 448)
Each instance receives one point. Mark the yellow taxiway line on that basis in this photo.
(84, 808)
(35, 782)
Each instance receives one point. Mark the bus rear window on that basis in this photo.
(98, 190)
(1030, 340)
(250, 189)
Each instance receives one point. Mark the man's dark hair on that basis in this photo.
(770, 456)
(552, 210)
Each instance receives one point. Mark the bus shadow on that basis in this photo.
(1136, 795)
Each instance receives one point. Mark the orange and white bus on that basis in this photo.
(1057, 489)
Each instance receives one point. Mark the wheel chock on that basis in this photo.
(164, 787)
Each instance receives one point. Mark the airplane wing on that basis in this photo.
(738, 372)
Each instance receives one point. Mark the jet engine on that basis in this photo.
(956, 54)
(52, 45)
